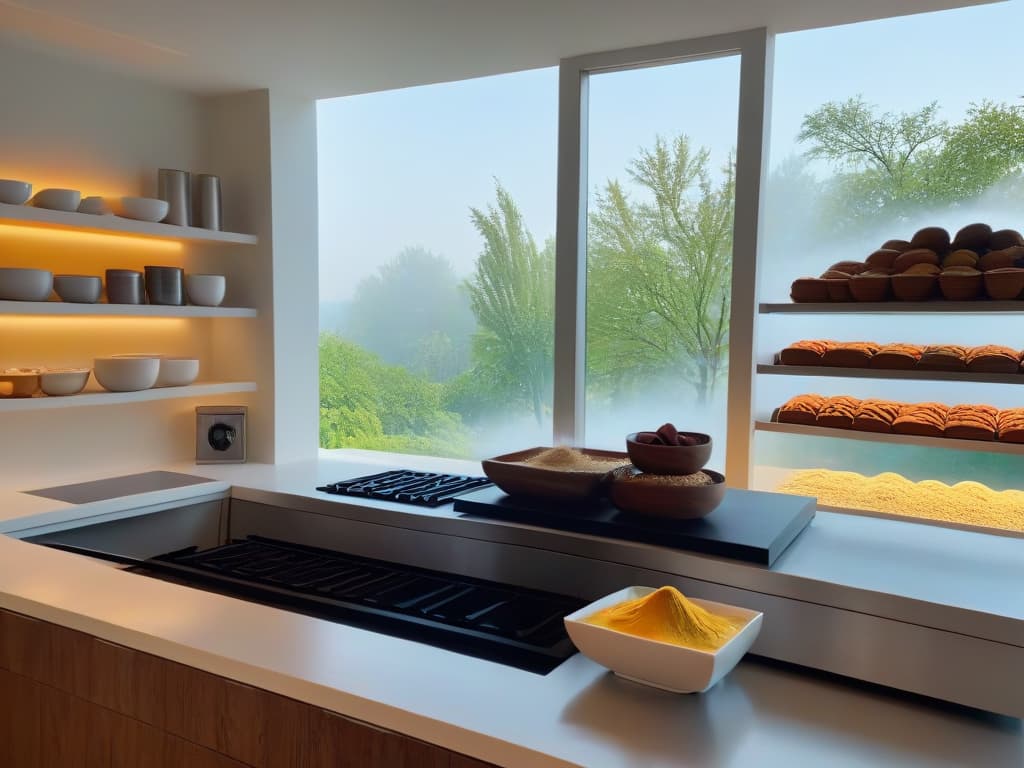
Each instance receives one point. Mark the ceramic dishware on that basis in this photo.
(64, 381)
(19, 382)
(13, 192)
(176, 188)
(138, 208)
(165, 285)
(177, 371)
(669, 459)
(208, 212)
(95, 206)
(78, 289)
(205, 290)
(512, 474)
(126, 374)
(124, 286)
(663, 496)
(57, 199)
(17, 284)
(668, 666)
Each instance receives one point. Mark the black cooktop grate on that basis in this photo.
(427, 489)
(510, 625)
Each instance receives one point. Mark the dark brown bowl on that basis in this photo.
(518, 479)
(654, 499)
(669, 459)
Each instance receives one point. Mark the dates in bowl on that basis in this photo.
(668, 451)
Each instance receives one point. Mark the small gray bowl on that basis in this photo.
(78, 289)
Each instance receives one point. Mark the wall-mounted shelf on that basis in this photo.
(114, 225)
(65, 309)
(893, 307)
(981, 446)
(18, 404)
(879, 373)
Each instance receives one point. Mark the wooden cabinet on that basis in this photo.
(68, 700)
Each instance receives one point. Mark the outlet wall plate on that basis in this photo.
(220, 434)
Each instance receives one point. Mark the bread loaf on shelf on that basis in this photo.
(993, 358)
(972, 422)
(849, 354)
(802, 409)
(921, 419)
(837, 412)
(896, 357)
(1010, 425)
(973, 237)
(875, 415)
(805, 352)
(943, 357)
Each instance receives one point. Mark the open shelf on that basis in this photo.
(61, 308)
(893, 307)
(949, 444)
(115, 225)
(201, 389)
(880, 373)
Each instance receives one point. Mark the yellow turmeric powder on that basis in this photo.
(667, 616)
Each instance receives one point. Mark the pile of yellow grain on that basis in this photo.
(967, 503)
(573, 460)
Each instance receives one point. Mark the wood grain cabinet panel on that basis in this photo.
(461, 761)
(338, 742)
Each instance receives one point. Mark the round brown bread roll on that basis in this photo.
(1005, 238)
(808, 289)
(1007, 257)
(962, 257)
(835, 274)
(848, 267)
(933, 238)
(909, 258)
(896, 245)
(922, 269)
(973, 237)
(883, 257)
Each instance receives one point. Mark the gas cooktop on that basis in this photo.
(502, 623)
(428, 489)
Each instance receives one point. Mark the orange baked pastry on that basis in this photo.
(899, 357)
(921, 419)
(802, 409)
(805, 352)
(1010, 425)
(943, 357)
(993, 358)
(850, 354)
(837, 412)
(875, 415)
(972, 422)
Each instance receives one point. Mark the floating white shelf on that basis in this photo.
(63, 309)
(201, 389)
(981, 446)
(878, 373)
(115, 225)
(893, 307)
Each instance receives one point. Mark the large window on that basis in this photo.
(437, 223)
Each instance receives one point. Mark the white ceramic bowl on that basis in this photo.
(126, 374)
(19, 382)
(94, 205)
(78, 289)
(139, 208)
(57, 199)
(662, 665)
(14, 192)
(177, 371)
(205, 290)
(64, 381)
(25, 284)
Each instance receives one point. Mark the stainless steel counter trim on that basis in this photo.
(963, 621)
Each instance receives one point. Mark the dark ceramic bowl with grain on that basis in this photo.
(667, 496)
(668, 459)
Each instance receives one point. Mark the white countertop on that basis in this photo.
(576, 715)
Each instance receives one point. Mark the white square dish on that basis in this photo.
(667, 666)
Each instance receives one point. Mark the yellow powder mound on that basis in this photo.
(967, 503)
(667, 616)
(573, 460)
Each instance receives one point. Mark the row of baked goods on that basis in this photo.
(976, 263)
(963, 422)
(988, 358)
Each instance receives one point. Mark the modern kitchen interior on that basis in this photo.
(432, 384)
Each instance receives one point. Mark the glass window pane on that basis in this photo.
(661, 149)
(437, 219)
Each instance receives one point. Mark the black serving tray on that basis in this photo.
(748, 525)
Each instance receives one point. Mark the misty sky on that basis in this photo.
(402, 168)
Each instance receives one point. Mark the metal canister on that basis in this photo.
(208, 204)
(176, 188)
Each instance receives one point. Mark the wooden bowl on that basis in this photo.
(808, 289)
(515, 478)
(669, 459)
(1004, 284)
(913, 287)
(633, 492)
(870, 288)
(960, 287)
(838, 289)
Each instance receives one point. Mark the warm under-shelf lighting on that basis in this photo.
(90, 323)
(30, 234)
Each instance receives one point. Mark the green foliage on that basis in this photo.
(659, 273)
(512, 294)
(365, 403)
(893, 165)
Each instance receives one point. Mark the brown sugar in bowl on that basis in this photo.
(667, 496)
(670, 459)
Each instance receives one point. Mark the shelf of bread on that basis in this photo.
(28, 215)
(893, 307)
(101, 397)
(876, 373)
(64, 309)
(890, 438)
